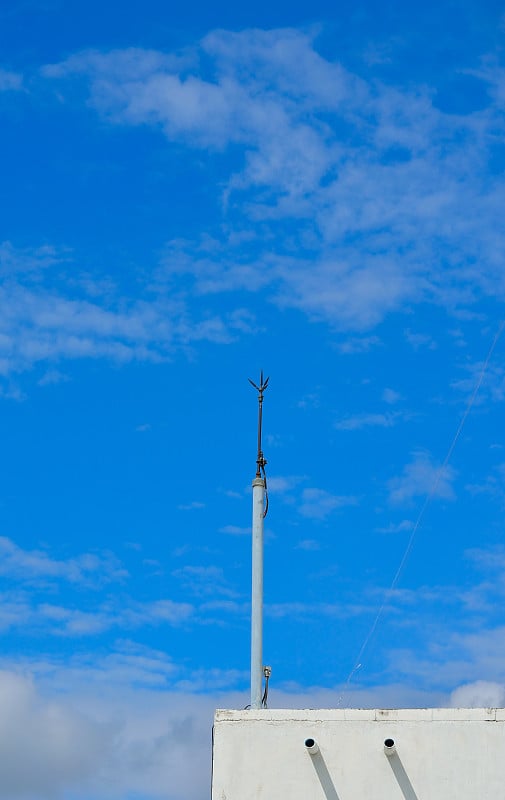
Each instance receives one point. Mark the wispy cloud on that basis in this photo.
(319, 504)
(37, 565)
(361, 344)
(41, 323)
(233, 494)
(72, 622)
(272, 95)
(359, 421)
(195, 505)
(10, 81)
(422, 477)
(420, 340)
(489, 559)
(493, 485)
(458, 657)
(144, 427)
(32, 613)
(53, 377)
(235, 530)
(397, 527)
(310, 545)
(491, 388)
(390, 396)
(406, 166)
(297, 610)
(283, 484)
(310, 400)
(204, 580)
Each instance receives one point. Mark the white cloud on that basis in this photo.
(154, 613)
(40, 324)
(87, 731)
(418, 340)
(34, 609)
(52, 377)
(347, 295)
(102, 743)
(484, 648)
(37, 565)
(226, 606)
(235, 530)
(388, 208)
(397, 527)
(143, 427)
(10, 81)
(46, 746)
(360, 421)
(204, 580)
(233, 494)
(282, 484)
(490, 559)
(478, 694)
(453, 657)
(319, 504)
(310, 400)
(491, 388)
(360, 344)
(296, 609)
(422, 477)
(390, 396)
(15, 610)
(61, 621)
(493, 484)
(129, 722)
(34, 262)
(310, 545)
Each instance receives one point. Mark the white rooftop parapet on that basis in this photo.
(360, 754)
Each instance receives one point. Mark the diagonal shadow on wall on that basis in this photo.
(324, 776)
(402, 777)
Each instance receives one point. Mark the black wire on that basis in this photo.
(265, 512)
(265, 693)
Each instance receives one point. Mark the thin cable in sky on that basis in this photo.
(424, 507)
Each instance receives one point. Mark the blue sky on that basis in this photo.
(191, 193)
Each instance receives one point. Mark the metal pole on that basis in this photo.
(259, 486)
(257, 592)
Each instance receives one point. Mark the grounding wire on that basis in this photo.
(427, 500)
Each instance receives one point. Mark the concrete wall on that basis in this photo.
(441, 754)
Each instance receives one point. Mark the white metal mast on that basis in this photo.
(260, 506)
